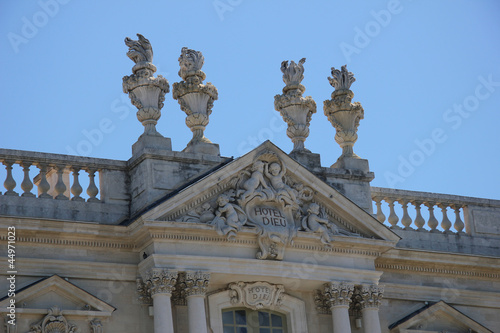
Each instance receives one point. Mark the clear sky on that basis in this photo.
(427, 74)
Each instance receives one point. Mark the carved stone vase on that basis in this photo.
(342, 113)
(295, 109)
(146, 92)
(195, 98)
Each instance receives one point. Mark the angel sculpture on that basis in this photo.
(275, 173)
(315, 223)
(229, 218)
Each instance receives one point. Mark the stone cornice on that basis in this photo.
(438, 263)
(77, 269)
(203, 233)
(446, 293)
(252, 269)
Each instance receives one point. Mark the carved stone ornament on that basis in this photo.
(321, 302)
(143, 294)
(54, 322)
(196, 283)
(10, 326)
(160, 281)
(96, 326)
(371, 296)
(343, 114)
(338, 294)
(263, 196)
(256, 295)
(195, 98)
(295, 109)
(147, 93)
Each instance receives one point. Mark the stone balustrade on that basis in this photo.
(60, 178)
(429, 212)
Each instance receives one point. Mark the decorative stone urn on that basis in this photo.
(146, 92)
(295, 109)
(195, 98)
(343, 114)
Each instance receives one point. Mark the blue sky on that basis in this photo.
(428, 77)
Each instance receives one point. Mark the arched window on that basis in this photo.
(243, 320)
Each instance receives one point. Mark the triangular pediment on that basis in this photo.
(55, 291)
(435, 318)
(267, 178)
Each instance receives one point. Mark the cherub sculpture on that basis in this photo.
(139, 50)
(251, 185)
(313, 222)
(229, 218)
(275, 173)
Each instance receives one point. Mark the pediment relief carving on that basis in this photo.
(53, 322)
(438, 317)
(266, 197)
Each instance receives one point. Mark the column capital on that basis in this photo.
(338, 293)
(196, 283)
(371, 296)
(160, 281)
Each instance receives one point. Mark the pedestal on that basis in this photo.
(155, 142)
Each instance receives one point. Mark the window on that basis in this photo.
(248, 321)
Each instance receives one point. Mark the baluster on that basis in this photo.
(26, 185)
(419, 220)
(433, 222)
(445, 223)
(393, 218)
(44, 185)
(458, 225)
(406, 219)
(60, 186)
(76, 188)
(92, 190)
(380, 215)
(10, 183)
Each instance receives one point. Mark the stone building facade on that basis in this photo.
(190, 241)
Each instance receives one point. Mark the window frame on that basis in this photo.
(292, 308)
(249, 312)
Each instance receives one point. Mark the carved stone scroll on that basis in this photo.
(257, 295)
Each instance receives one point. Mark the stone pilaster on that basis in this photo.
(338, 296)
(160, 284)
(371, 298)
(196, 285)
